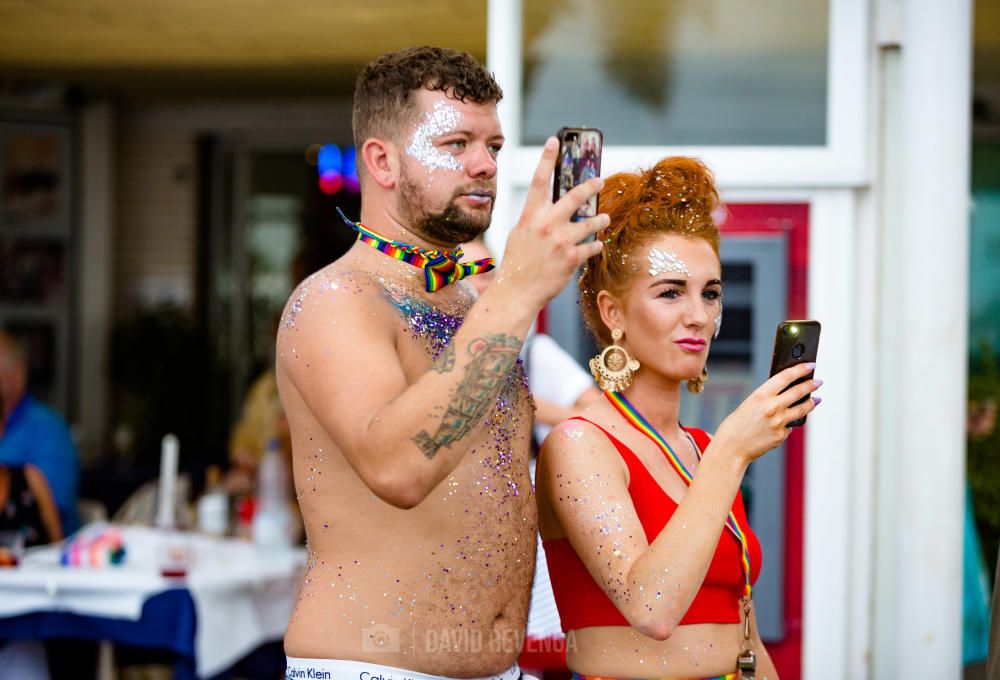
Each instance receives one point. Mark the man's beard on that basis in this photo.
(450, 225)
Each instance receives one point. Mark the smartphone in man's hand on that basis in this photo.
(579, 160)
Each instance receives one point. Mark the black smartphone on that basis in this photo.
(579, 160)
(795, 342)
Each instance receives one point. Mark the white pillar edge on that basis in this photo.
(503, 58)
(929, 365)
(889, 287)
(860, 512)
(826, 540)
(848, 77)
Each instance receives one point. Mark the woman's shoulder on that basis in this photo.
(574, 430)
(583, 440)
(589, 423)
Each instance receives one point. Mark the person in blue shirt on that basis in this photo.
(33, 434)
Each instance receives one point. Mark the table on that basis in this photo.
(233, 600)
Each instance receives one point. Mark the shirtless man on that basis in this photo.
(408, 410)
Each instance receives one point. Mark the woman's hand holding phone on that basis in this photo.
(760, 423)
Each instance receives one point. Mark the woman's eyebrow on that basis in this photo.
(681, 282)
(668, 282)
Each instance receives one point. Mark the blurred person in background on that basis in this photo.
(408, 408)
(262, 425)
(26, 508)
(28, 518)
(35, 435)
(980, 616)
(261, 422)
(649, 551)
(993, 657)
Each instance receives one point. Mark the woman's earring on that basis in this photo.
(696, 385)
(614, 369)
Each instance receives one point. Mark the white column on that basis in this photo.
(96, 250)
(923, 345)
(503, 58)
(828, 601)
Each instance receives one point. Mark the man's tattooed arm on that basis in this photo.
(446, 360)
(493, 357)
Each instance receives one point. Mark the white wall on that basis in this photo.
(156, 240)
(923, 343)
(154, 254)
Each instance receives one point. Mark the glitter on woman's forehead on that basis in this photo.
(665, 262)
(443, 120)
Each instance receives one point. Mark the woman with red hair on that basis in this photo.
(649, 552)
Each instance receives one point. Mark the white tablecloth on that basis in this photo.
(242, 598)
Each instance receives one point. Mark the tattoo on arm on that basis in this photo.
(492, 359)
(446, 360)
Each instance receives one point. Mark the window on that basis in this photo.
(678, 73)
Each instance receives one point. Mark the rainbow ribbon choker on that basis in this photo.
(636, 420)
(441, 267)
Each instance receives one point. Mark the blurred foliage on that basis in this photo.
(165, 379)
(984, 451)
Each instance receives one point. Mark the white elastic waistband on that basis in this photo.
(333, 669)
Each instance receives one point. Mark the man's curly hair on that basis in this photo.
(383, 96)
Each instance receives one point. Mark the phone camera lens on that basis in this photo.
(798, 350)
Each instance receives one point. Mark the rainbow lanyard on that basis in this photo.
(635, 419)
(441, 267)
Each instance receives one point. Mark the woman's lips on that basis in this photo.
(691, 344)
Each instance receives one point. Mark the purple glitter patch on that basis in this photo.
(428, 323)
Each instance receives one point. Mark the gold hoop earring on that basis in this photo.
(696, 385)
(614, 369)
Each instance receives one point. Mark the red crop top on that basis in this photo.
(582, 603)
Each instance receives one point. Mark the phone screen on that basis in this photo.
(579, 160)
(795, 342)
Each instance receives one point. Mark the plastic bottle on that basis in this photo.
(272, 521)
(213, 506)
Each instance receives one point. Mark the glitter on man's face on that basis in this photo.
(443, 120)
(666, 262)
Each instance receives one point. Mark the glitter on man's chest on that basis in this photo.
(425, 322)
(437, 327)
